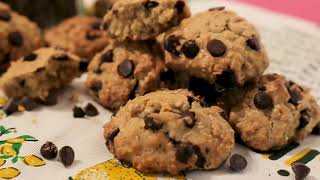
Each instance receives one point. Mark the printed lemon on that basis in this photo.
(15, 140)
(2, 162)
(32, 160)
(7, 150)
(9, 173)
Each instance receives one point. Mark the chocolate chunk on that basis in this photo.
(190, 49)
(180, 6)
(78, 112)
(49, 150)
(28, 103)
(96, 25)
(83, 65)
(171, 44)
(201, 159)
(305, 116)
(263, 100)
(96, 86)
(30, 57)
(5, 16)
(15, 39)
(189, 119)
(125, 163)
(126, 68)
(217, 8)
(295, 96)
(237, 162)
(150, 123)
(10, 107)
(91, 110)
(216, 48)
(110, 138)
(51, 100)
(61, 57)
(66, 155)
(151, 4)
(134, 90)
(184, 152)
(107, 57)
(253, 43)
(300, 170)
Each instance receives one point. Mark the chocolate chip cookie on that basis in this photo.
(143, 19)
(123, 71)
(215, 42)
(273, 112)
(169, 131)
(80, 35)
(18, 36)
(40, 73)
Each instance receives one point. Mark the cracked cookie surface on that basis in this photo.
(213, 42)
(169, 131)
(274, 112)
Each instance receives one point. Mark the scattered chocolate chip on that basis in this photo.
(91, 110)
(51, 100)
(190, 49)
(263, 100)
(151, 124)
(201, 159)
(15, 39)
(217, 8)
(262, 88)
(238, 162)
(96, 25)
(295, 96)
(316, 130)
(110, 138)
(30, 57)
(96, 86)
(216, 48)
(184, 152)
(253, 43)
(134, 90)
(61, 57)
(125, 163)
(171, 44)
(78, 112)
(189, 119)
(49, 150)
(28, 103)
(304, 120)
(83, 65)
(66, 155)
(151, 4)
(107, 56)
(126, 68)
(300, 170)
(10, 107)
(5, 16)
(180, 6)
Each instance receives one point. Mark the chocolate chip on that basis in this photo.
(125, 163)
(96, 86)
(28, 103)
(10, 107)
(49, 150)
(105, 26)
(151, 4)
(217, 8)
(78, 112)
(126, 68)
(83, 65)
(216, 48)
(91, 36)
(5, 16)
(61, 57)
(134, 90)
(30, 57)
(190, 49)
(15, 39)
(110, 138)
(107, 56)
(66, 155)
(96, 25)
(151, 124)
(52, 99)
(295, 96)
(91, 110)
(184, 152)
(237, 162)
(304, 120)
(253, 43)
(180, 6)
(189, 119)
(300, 170)
(98, 70)
(263, 100)
(201, 159)
(170, 45)
(262, 88)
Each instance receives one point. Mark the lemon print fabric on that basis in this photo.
(7, 150)
(2, 162)
(9, 173)
(32, 160)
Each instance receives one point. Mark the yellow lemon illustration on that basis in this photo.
(3, 101)
(7, 150)
(15, 140)
(32, 160)
(9, 173)
(2, 162)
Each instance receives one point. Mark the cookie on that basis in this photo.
(215, 42)
(123, 71)
(274, 112)
(19, 36)
(80, 35)
(169, 132)
(101, 7)
(40, 74)
(143, 19)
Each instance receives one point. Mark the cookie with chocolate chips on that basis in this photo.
(273, 112)
(143, 19)
(18, 37)
(123, 71)
(213, 42)
(169, 131)
(81, 35)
